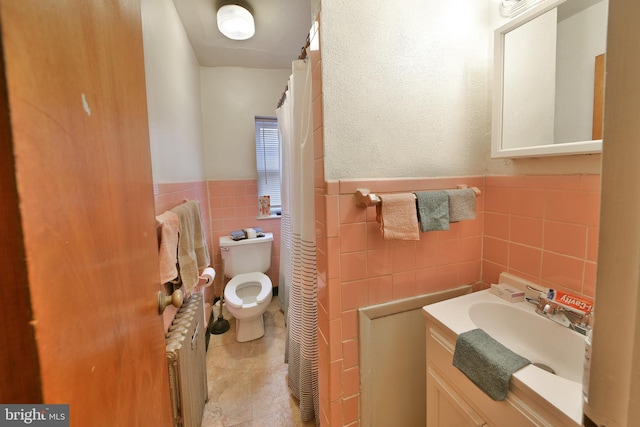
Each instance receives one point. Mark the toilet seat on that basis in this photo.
(247, 279)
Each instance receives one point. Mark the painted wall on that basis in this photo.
(195, 112)
(357, 125)
(201, 119)
(231, 98)
(405, 88)
(173, 95)
(172, 77)
(388, 105)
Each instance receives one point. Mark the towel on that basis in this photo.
(433, 210)
(242, 234)
(168, 245)
(238, 235)
(398, 217)
(193, 254)
(462, 204)
(486, 362)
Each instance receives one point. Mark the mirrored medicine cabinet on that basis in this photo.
(548, 91)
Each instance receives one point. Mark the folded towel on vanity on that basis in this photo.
(398, 217)
(486, 362)
(462, 204)
(193, 253)
(433, 210)
(168, 245)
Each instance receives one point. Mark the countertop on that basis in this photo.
(563, 394)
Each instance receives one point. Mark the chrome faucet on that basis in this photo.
(578, 321)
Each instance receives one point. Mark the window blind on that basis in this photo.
(268, 159)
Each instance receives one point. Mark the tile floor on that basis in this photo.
(248, 381)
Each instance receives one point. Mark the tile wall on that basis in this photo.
(226, 206)
(543, 228)
(169, 195)
(358, 268)
(234, 206)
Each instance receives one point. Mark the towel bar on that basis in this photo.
(364, 198)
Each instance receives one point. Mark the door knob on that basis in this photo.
(175, 299)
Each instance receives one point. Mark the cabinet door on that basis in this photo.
(445, 407)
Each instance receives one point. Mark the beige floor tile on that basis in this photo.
(268, 352)
(280, 419)
(270, 383)
(247, 382)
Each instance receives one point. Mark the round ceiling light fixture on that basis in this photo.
(236, 22)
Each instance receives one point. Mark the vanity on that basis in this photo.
(536, 396)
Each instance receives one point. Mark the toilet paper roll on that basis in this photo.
(208, 274)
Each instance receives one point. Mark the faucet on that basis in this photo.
(578, 321)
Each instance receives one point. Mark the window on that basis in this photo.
(268, 160)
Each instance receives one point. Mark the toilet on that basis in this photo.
(248, 293)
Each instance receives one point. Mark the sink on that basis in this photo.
(518, 327)
(542, 341)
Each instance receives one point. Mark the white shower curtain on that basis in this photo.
(298, 283)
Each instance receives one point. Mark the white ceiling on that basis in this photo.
(281, 32)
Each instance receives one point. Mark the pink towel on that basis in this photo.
(193, 254)
(168, 245)
(398, 217)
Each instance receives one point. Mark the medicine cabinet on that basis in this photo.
(549, 80)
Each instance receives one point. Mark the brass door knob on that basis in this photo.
(174, 299)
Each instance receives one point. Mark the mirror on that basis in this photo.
(549, 79)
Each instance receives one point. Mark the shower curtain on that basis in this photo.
(298, 283)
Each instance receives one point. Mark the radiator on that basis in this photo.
(186, 358)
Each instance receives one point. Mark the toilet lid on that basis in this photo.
(231, 290)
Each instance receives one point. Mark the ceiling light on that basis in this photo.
(236, 22)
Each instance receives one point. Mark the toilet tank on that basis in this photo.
(246, 256)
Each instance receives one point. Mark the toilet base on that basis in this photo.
(249, 329)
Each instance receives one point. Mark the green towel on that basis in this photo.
(433, 210)
(486, 362)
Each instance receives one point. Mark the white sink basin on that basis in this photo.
(532, 336)
(519, 328)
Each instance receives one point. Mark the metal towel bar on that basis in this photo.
(365, 198)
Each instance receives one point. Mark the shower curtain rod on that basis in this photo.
(303, 55)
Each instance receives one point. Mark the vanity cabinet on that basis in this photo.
(446, 408)
(454, 401)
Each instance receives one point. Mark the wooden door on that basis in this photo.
(78, 133)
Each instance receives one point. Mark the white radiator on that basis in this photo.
(186, 358)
